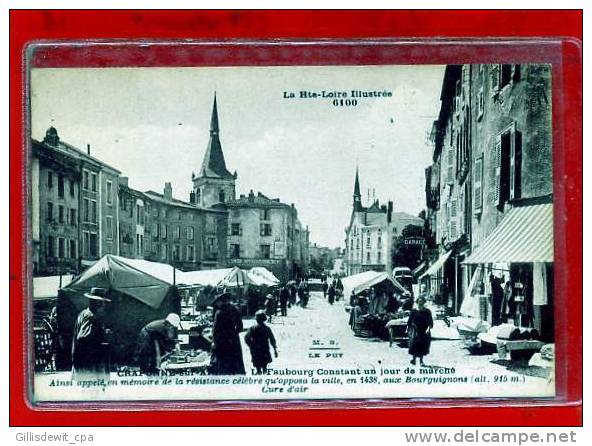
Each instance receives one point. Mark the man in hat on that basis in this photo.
(155, 340)
(227, 354)
(258, 338)
(90, 355)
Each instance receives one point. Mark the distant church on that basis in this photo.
(370, 233)
(261, 231)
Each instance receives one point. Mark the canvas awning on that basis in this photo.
(437, 265)
(47, 287)
(228, 277)
(148, 282)
(525, 235)
(419, 268)
(359, 282)
(263, 276)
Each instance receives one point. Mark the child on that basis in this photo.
(258, 338)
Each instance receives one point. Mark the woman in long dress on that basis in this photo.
(419, 326)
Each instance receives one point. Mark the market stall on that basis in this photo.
(263, 276)
(370, 314)
(141, 292)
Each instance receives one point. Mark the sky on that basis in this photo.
(153, 125)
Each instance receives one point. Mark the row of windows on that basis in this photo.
(127, 205)
(61, 248)
(160, 230)
(89, 183)
(61, 184)
(264, 251)
(64, 215)
(265, 229)
(165, 213)
(90, 244)
(368, 242)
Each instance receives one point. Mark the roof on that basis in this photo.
(159, 198)
(258, 200)
(148, 282)
(359, 282)
(214, 165)
(75, 151)
(357, 185)
(525, 235)
(227, 277)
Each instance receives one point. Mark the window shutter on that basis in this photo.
(477, 185)
(498, 169)
(516, 72)
(450, 165)
(461, 211)
(512, 164)
(517, 164)
(495, 78)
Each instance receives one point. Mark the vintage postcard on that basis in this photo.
(279, 233)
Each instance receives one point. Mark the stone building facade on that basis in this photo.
(95, 215)
(368, 242)
(183, 234)
(133, 217)
(265, 232)
(55, 226)
(492, 153)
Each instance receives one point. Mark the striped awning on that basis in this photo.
(435, 267)
(524, 235)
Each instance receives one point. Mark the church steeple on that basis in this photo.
(214, 165)
(357, 194)
(214, 127)
(214, 184)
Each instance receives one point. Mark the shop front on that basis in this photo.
(512, 271)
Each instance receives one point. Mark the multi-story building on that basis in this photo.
(266, 232)
(372, 233)
(182, 233)
(491, 167)
(55, 191)
(133, 242)
(368, 242)
(96, 212)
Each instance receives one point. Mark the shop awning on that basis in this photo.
(363, 281)
(435, 267)
(525, 235)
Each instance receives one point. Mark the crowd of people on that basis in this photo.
(159, 338)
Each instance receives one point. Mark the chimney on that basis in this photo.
(88, 149)
(389, 212)
(124, 181)
(192, 197)
(168, 191)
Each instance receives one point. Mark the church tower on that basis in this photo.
(357, 195)
(214, 184)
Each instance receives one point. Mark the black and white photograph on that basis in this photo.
(291, 233)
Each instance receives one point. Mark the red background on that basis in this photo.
(29, 26)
